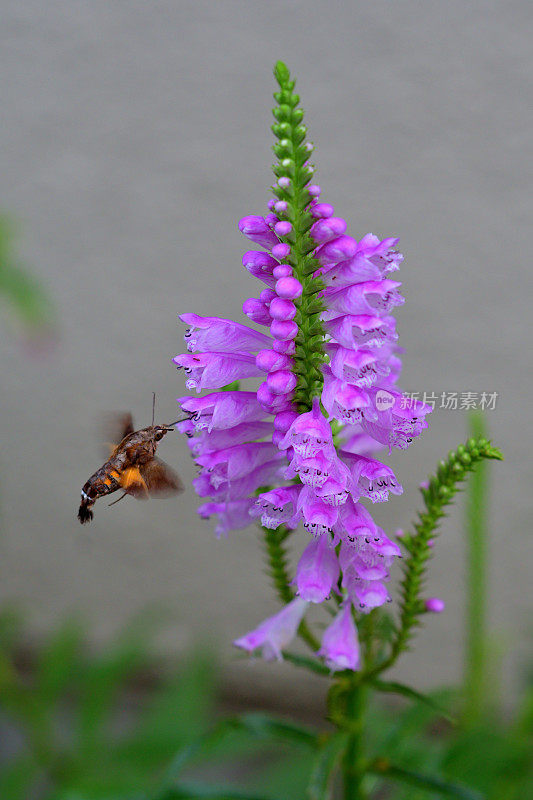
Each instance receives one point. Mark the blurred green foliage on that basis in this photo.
(24, 296)
(81, 725)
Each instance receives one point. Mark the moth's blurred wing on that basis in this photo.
(116, 426)
(160, 479)
(133, 483)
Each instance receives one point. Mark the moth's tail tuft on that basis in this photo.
(85, 513)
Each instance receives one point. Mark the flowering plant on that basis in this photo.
(302, 446)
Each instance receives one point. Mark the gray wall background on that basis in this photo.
(134, 136)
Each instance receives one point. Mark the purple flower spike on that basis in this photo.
(318, 570)
(300, 448)
(275, 633)
(435, 605)
(340, 645)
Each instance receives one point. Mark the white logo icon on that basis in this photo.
(384, 400)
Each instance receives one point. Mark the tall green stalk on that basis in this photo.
(354, 762)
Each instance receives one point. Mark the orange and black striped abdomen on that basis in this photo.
(106, 480)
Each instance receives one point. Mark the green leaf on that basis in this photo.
(257, 725)
(187, 791)
(393, 687)
(324, 765)
(19, 778)
(178, 712)
(267, 727)
(103, 677)
(23, 293)
(59, 661)
(384, 768)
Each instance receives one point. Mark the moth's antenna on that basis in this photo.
(153, 408)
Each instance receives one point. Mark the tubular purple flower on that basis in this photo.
(261, 265)
(257, 311)
(214, 370)
(258, 231)
(309, 433)
(340, 645)
(361, 330)
(278, 507)
(275, 633)
(318, 570)
(222, 410)
(374, 479)
(232, 516)
(212, 333)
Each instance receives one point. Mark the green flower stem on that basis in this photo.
(347, 702)
(475, 678)
(293, 154)
(440, 492)
(279, 573)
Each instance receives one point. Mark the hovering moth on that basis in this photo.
(132, 467)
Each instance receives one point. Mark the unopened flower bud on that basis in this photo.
(282, 271)
(435, 605)
(281, 382)
(282, 228)
(281, 250)
(282, 309)
(289, 288)
(284, 329)
(284, 346)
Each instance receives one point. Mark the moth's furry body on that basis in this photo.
(132, 467)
